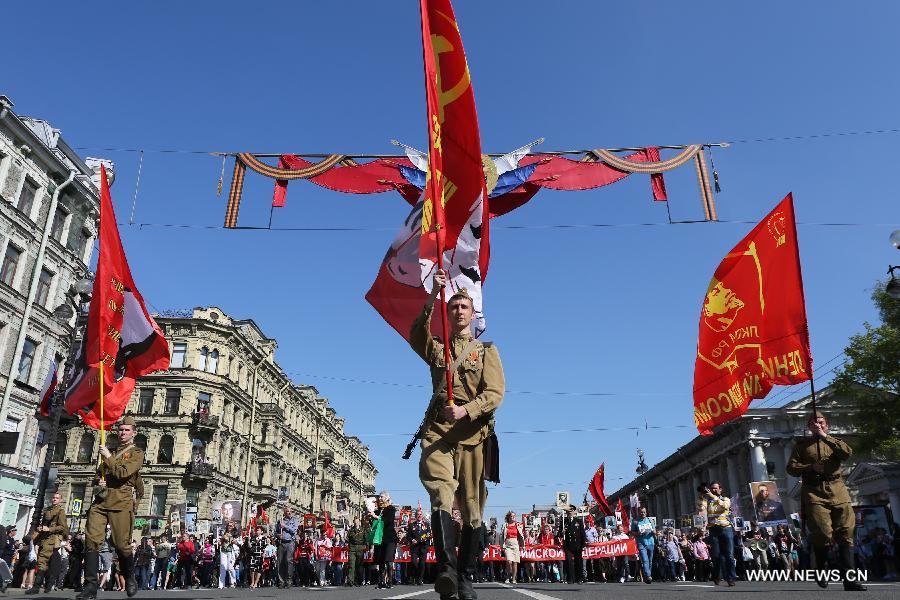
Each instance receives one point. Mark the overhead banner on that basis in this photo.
(536, 553)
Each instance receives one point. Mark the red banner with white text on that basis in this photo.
(536, 553)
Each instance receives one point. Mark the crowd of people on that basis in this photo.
(285, 554)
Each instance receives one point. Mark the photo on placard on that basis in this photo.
(699, 521)
(739, 524)
(767, 503)
(404, 518)
(669, 523)
(493, 522)
(795, 520)
(609, 522)
(869, 519)
(371, 503)
(529, 522)
(340, 506)
(653, 521)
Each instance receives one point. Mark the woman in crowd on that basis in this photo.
(323, 557)
(546, 539)
(384, 552)
(337, 577)
(256, 546)
(511, 541)
(269, 559)
(28, 557)
(700, 552)
(207, 561)
(227, 555)
(642, 527)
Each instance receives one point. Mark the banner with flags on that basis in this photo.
(596, 490)
(452, 213)
(48, 389)
(120, 333)
(753, 328)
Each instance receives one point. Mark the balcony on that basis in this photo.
(200, 470)
(269, 408)
(326, 456)
(327, 485)
(205, 422)
(369, 489)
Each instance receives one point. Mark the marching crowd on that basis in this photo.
(285, 554)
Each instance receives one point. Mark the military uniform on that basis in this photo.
(824, 498)
(114, 506)
(356, 548)
(452, 466)
(47, 542)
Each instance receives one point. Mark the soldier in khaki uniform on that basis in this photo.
(824, 497)
(114, 503)
(48, 538)
(452, 466)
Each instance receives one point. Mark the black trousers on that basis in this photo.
(574, 564)
(418, 555)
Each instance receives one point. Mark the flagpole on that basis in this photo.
(438, 240)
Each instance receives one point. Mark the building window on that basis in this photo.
(43, 287)
(178, 352)
(166, 448)
(27, 196)
(85, 448)
(145, 401)
(81, 242)
(140, 440)
(59, 451)
(11, 425)
(201, 364)
(203, 402)
(10, 263)
(59, 222)
(158, 506)
(213, 363)
(173, 399)
(192, 496)
(198, 451)
(26, 360)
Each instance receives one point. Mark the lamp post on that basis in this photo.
(893, 285)
(78, 296)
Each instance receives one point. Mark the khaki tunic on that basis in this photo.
(824, 497)
(48, 541)
(452, 464)
(122, 478)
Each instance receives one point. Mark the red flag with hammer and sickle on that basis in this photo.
(753, 328)
(455, 183)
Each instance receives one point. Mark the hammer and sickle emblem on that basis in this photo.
(440, 45)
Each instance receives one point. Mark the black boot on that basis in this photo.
(821, 555)
(468, 555)
(91, 567)
(848, 564)
(38, 581)
(444, 533)
(126, 564)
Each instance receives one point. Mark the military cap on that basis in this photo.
(462, 293)
(128, 420)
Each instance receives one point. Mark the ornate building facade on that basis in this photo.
(757, 447)
(225, 422)
(49, 206)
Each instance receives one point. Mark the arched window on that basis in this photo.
(85, 448)
(204, 352)
(59, 451)
(166, 449)
(213, 364)
(140, 440)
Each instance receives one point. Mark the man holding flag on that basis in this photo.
(122, 342)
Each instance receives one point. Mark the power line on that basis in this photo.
(760, 140)
(644, 427)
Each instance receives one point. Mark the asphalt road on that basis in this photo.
(536, 591)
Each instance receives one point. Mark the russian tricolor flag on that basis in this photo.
(48, 390)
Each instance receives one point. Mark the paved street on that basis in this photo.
(538, 591)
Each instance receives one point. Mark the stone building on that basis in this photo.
(225, 422)
(49, 205)
(757, 447)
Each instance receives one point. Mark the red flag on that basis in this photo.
(596, 490)
(454, 203)
(120, 332)
(329, 528)
(753, 329)
(48, 390)
(626, 522)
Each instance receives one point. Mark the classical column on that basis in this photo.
(734, 482)
(757, 461)
(894, 501)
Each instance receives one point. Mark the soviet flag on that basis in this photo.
(753, 328)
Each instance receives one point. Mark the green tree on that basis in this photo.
(871, 377)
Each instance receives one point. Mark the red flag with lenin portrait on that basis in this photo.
(454, 202)
(753, 328)
(120, 333)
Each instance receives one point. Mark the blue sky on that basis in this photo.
(581, 310)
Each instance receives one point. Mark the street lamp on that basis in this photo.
(893, 286)
(78, 295)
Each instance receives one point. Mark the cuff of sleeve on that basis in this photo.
(473, 410)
